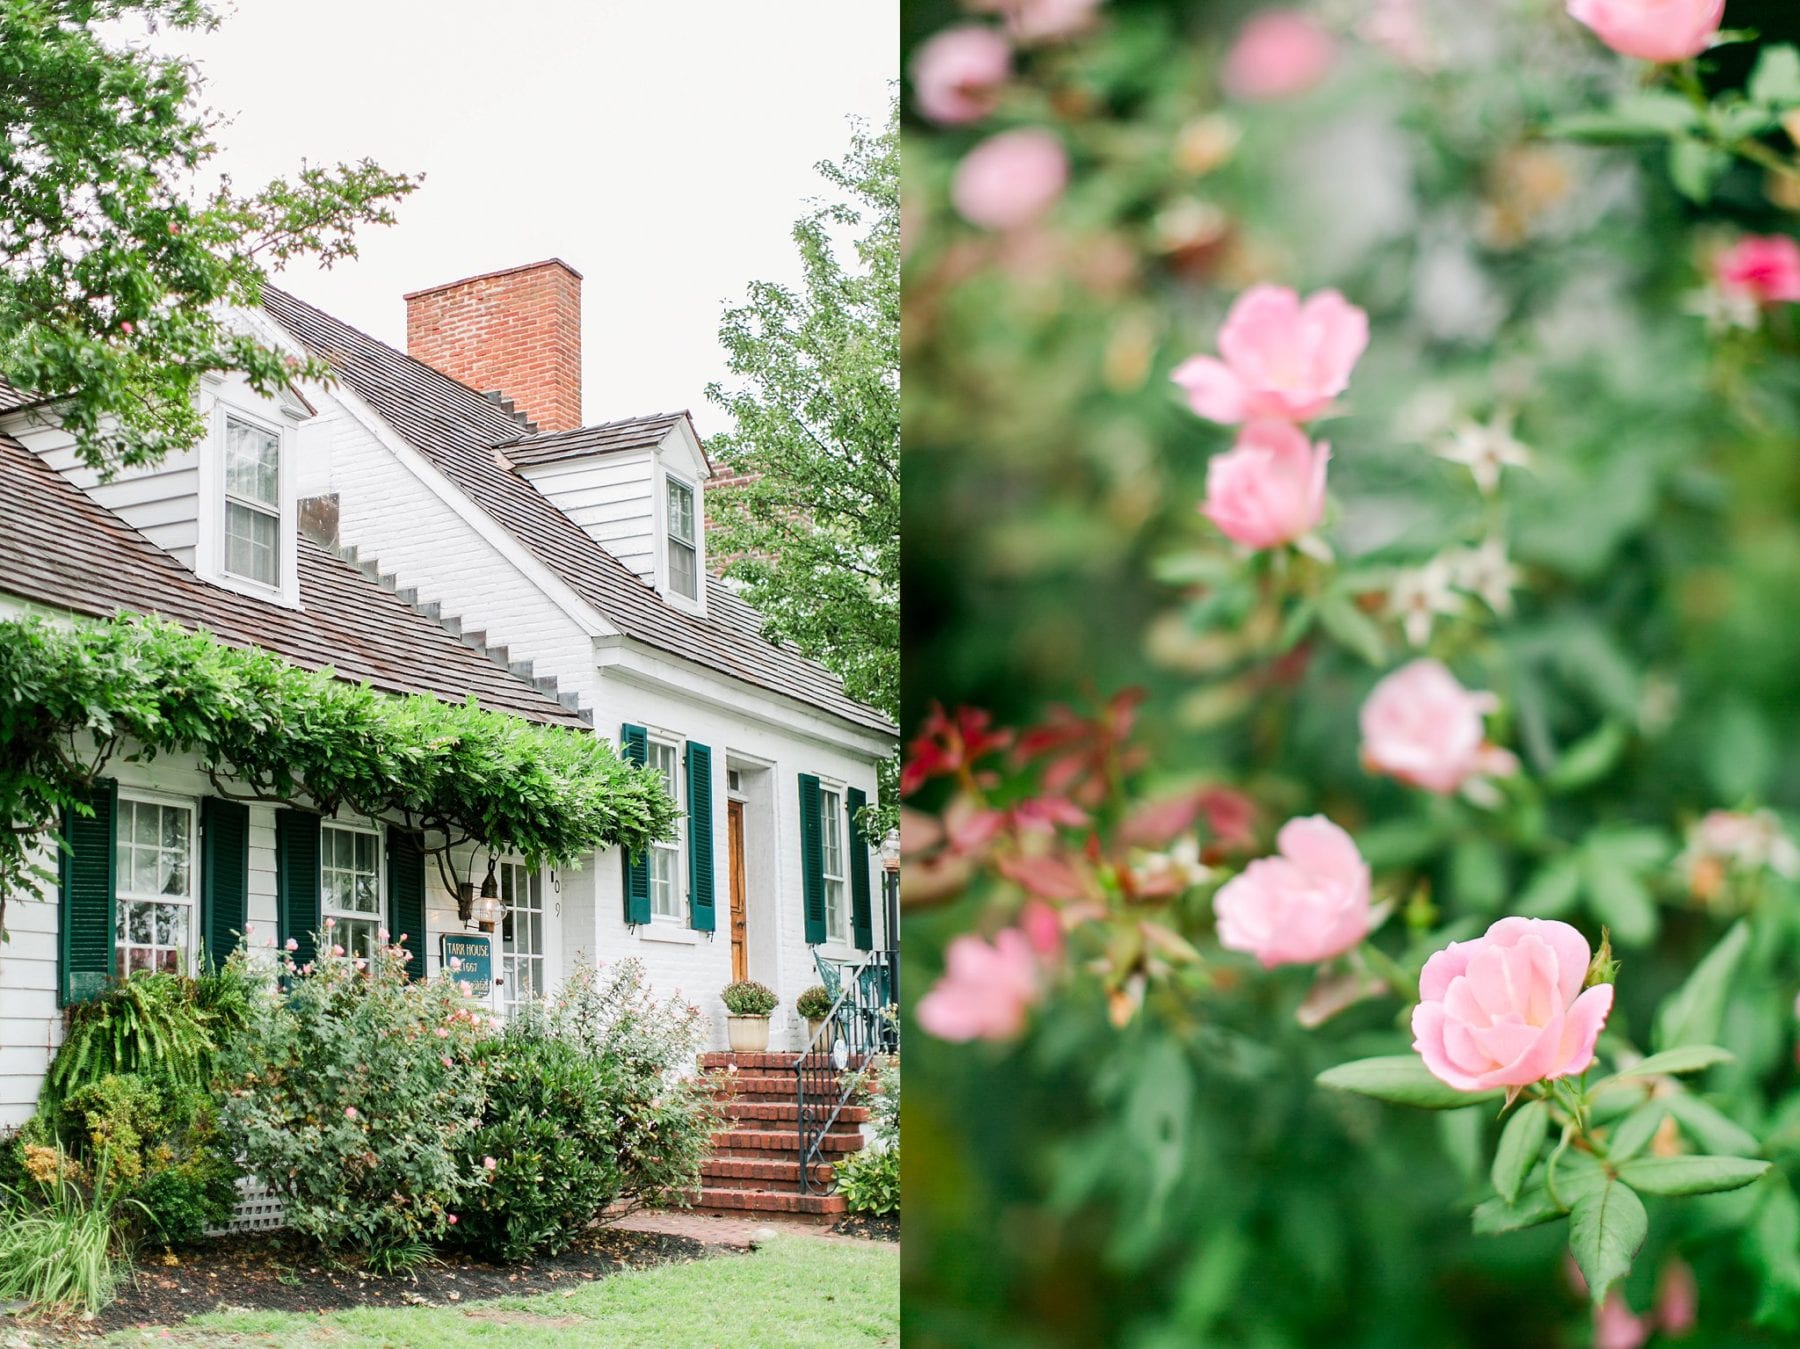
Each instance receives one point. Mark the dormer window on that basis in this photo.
(252, 502)
(684, 555)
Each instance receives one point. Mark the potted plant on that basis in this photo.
(814, 1004)
(749, 1004)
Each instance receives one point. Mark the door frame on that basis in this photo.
(738, 907)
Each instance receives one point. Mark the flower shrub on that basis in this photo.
(1520, 646)
(870, 1180)
(813, 1003)
(352, 1094)
(746, 997)
(589, 1097)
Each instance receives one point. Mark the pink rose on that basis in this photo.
(1010, 180)
(1615, 1325)
(985, 991)
(1507, 1009)
(1282, 359)
(488, 1163)
(337, 950)
(1307, 905)
(1040, 20)
(292, 944)
(330, 923)
(451, 1219)
(349, 1112)
(1278, 53)
(1764, 269)
(957, 75)
(1652, 30)
(1269, 488)
(1419, 725)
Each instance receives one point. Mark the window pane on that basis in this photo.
(252, 463)
(681, 512)
(681, 570)
(250, 543)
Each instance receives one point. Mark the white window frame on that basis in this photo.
(240, 404)
(268, 511)
(671, 483)
(374, 920)
(676, 850)
(123, 898)
(837, 902)
(513, 872)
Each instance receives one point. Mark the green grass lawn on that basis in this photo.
(795, 1291)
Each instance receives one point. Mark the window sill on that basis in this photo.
(668, 930)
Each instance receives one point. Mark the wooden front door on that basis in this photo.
(740, 951)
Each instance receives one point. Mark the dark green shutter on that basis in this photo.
(85, 922)
(406, 898)
(224, 876)
(297, 881)
(862, 926)
(700, 837)
(634, 743)
(812, 859)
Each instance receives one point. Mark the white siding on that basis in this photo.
(611, 496)
(163, 502)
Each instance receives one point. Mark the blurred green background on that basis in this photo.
(1182, 1181)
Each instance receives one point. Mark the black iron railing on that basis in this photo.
(862, 1026)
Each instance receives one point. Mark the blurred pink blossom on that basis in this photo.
(1677, 1298)
(1010, 180)
(1507, 1009)
(1041, 20)
(1306, 905)
(1278, 53)
(1282, 359)
(1764, 269)
(1419, 725)
(1617, 1327)
(957, 75)
(985, 991)
(1652, 30)
(1269, 488)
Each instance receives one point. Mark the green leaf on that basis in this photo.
(1691, 1015)
(1402, 1079)
(1683, 1059)
(1352, 628)
(1588, 760)
(1695, 168)
(1520, 1142)
(1533, 1206)
(1618, 899)
(1606, 1228)
(1708, 1126)
(1776, 79)
(1633, 1133)
(1552, 891)
(1690, 1175)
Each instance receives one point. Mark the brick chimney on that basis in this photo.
(516, 332)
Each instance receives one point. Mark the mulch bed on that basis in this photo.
(883, 1227)
(282, 1273)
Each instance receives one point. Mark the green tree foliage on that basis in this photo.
(74, 696)
(815, 538)
(116, 259)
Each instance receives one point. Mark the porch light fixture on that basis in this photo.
(489, 909)
(465, 902)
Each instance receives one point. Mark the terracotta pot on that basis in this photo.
(749, 1034)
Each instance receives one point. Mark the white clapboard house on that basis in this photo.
(438, 521)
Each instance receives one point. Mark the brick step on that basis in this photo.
(769, 1201)
(736, 1173)
(789, 1111)
(756, 1086)
(761, 1142)
(776, 1061)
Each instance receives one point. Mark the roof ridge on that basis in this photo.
(541, 437)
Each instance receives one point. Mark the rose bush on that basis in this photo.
(1521, 648)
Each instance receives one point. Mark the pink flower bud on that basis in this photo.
(1652, 30)
(1762, 269)
(1010, 180)
(337, 950)
(330, 923)
(1278, 53)
(451, 1219)
(488, 1163)
(1269, 488)
(1278, 358)
(1305, 906)
(349, 1112)
(1507, 1009)
(292, 944)
(957, 75)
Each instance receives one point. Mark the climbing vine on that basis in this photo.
(75, 697)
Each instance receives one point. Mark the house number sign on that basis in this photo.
(473, 953)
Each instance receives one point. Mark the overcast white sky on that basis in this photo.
(663, 148)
